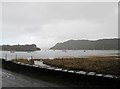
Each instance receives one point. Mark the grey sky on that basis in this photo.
(47, 23)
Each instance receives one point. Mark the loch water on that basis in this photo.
(43, 54)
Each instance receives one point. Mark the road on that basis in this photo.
(11, 79)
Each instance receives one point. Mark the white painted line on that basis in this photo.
(71, 71)
(40, 66)
(116, 77)
(99, 74)
(109, 76)
(27, 64)
(18, 63)
(51, 68)
(22, 64)
(58, 69)
(35, 66)
(65, 70)
(81, 72)
(91, 73)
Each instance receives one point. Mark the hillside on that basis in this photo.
(31, 47)
(102, 44)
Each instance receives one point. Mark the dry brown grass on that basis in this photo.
(106, 65)
(26, 61)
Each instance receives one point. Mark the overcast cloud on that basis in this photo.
(46, 24)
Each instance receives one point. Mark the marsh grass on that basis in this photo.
(26, 61)
(105, 65)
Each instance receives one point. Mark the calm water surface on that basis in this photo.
(57, 53)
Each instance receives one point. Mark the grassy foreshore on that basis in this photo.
(105, 65)
(26, 61)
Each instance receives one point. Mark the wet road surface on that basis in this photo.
(11, 79)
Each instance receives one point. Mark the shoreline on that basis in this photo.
(63, 65)
(105, 66)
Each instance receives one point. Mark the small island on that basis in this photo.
(18, 47)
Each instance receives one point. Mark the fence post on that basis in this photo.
(16, 56)
(31, 57)
(32, 61)
(6, 56)
(62, 62)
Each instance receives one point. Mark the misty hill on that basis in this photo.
(31, 47)
(102, 44)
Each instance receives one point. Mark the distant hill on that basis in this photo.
(102, 44)
(31, 47)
